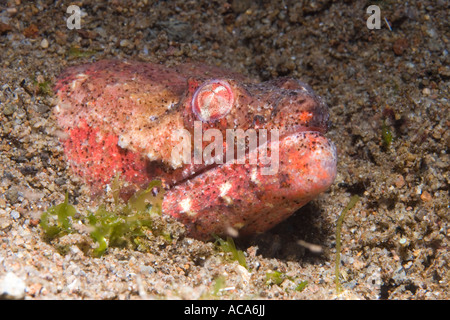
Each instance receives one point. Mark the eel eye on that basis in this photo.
(213, 100)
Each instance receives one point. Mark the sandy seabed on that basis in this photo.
(395, 242)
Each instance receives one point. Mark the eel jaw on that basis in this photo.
(241, 197)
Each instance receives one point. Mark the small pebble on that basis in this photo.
(60, 181)
(147, 269)
(426, 196)
(12, 195)
(426, 91)
(400, 45)
(44, 44)
(400, 181)
(8, 109)
(4, 28)
(4, 222)
(12, 287)
(125, 43)
(15, 214)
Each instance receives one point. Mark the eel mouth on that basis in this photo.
(246, 198)
(261, 140)
(311, 153)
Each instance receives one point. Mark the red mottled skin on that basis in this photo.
(119, 117)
